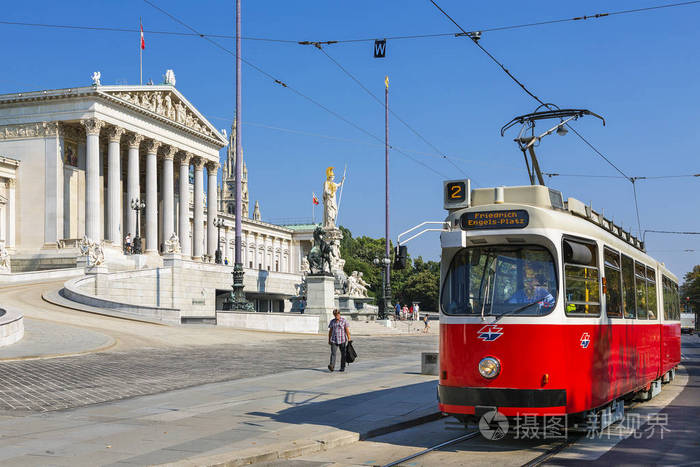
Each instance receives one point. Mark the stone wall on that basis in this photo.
(186, 286)
(11, 327)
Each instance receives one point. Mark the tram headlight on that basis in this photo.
(489, 367)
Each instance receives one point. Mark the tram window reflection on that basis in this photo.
(651, 293)
(640, 285)
(497, 280)
(613, 291)
(581, 278)
(628, 297)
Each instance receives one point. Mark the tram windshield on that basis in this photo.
(500, 280)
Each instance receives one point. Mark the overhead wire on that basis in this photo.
(367, 39)
(475, 39)
(379, 101)
(655, 177)
(287, 86)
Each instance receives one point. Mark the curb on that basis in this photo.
(300, 447)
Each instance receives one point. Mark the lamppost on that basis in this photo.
(218, 223)
(385, 302)
(236, 300)
(137, 205)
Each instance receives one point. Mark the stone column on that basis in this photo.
(133, 189)
(92, 178)
(152, 196)
(168, 193)
(212, 207)
(11, 212)
(198, 215)
(114, 211)
(184, 230)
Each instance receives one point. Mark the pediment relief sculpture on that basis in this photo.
(168, 105)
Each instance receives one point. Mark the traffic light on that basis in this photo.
(400, 255)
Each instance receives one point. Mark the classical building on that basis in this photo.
(73, 160)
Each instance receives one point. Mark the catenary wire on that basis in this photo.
(340, 41)
(475, 40)
(378, 100)
(287, 86)
(524, 88)
(655, 177)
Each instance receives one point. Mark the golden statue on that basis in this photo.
(330, 207)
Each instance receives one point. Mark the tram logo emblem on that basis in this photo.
(585, 340)
(489, 333)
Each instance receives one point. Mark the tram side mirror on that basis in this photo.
(577, 253)
(476, 257)
(400, 255)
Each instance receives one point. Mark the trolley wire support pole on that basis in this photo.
(387, 257)
(236, 300)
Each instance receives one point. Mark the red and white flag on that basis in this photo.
(314, 199)
(143, 43)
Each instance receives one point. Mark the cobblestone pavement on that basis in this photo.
(61, 383)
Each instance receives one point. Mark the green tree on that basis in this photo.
(419, 282)
(690, 290)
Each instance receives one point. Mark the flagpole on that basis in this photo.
(313, 208)
(140, 52)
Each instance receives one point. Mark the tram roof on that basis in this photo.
(545, 197)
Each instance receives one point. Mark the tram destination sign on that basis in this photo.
(483, 220)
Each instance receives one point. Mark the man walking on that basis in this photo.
(338, 337)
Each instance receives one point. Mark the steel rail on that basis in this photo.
(433, 448)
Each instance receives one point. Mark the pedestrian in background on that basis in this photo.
(427, 324)
(127, 242)
(398, 310)
(338, 337)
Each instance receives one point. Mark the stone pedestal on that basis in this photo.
(320, 299)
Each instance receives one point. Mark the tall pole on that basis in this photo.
(239, 154)
(237, 300)
(387, 274)
(140, 52)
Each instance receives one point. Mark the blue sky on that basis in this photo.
(638, 70)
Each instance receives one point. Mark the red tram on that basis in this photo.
(548, 308)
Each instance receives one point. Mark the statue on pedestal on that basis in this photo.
(93, 250)
(172, 245)
(330, 207)
(320, 253)
(4, 260)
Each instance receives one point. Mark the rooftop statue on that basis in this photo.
(96, 78)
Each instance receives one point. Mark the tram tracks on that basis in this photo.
(450, 442)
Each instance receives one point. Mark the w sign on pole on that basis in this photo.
(380, 48)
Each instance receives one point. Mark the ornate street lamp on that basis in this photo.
(138, 206)
(236, 300)
(218, 223)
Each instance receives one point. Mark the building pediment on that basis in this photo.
(165, 102)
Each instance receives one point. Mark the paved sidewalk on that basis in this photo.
(43, 339)
(261, 418)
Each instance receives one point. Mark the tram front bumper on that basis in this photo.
(465, 400)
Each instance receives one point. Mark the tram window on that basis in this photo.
(498, 280)
(666, 297)
(651, 293)
(613, 290)
(676, 303)
(581, 278)
(640, 285)
(628, 298)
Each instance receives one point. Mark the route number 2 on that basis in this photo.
(455, 192)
